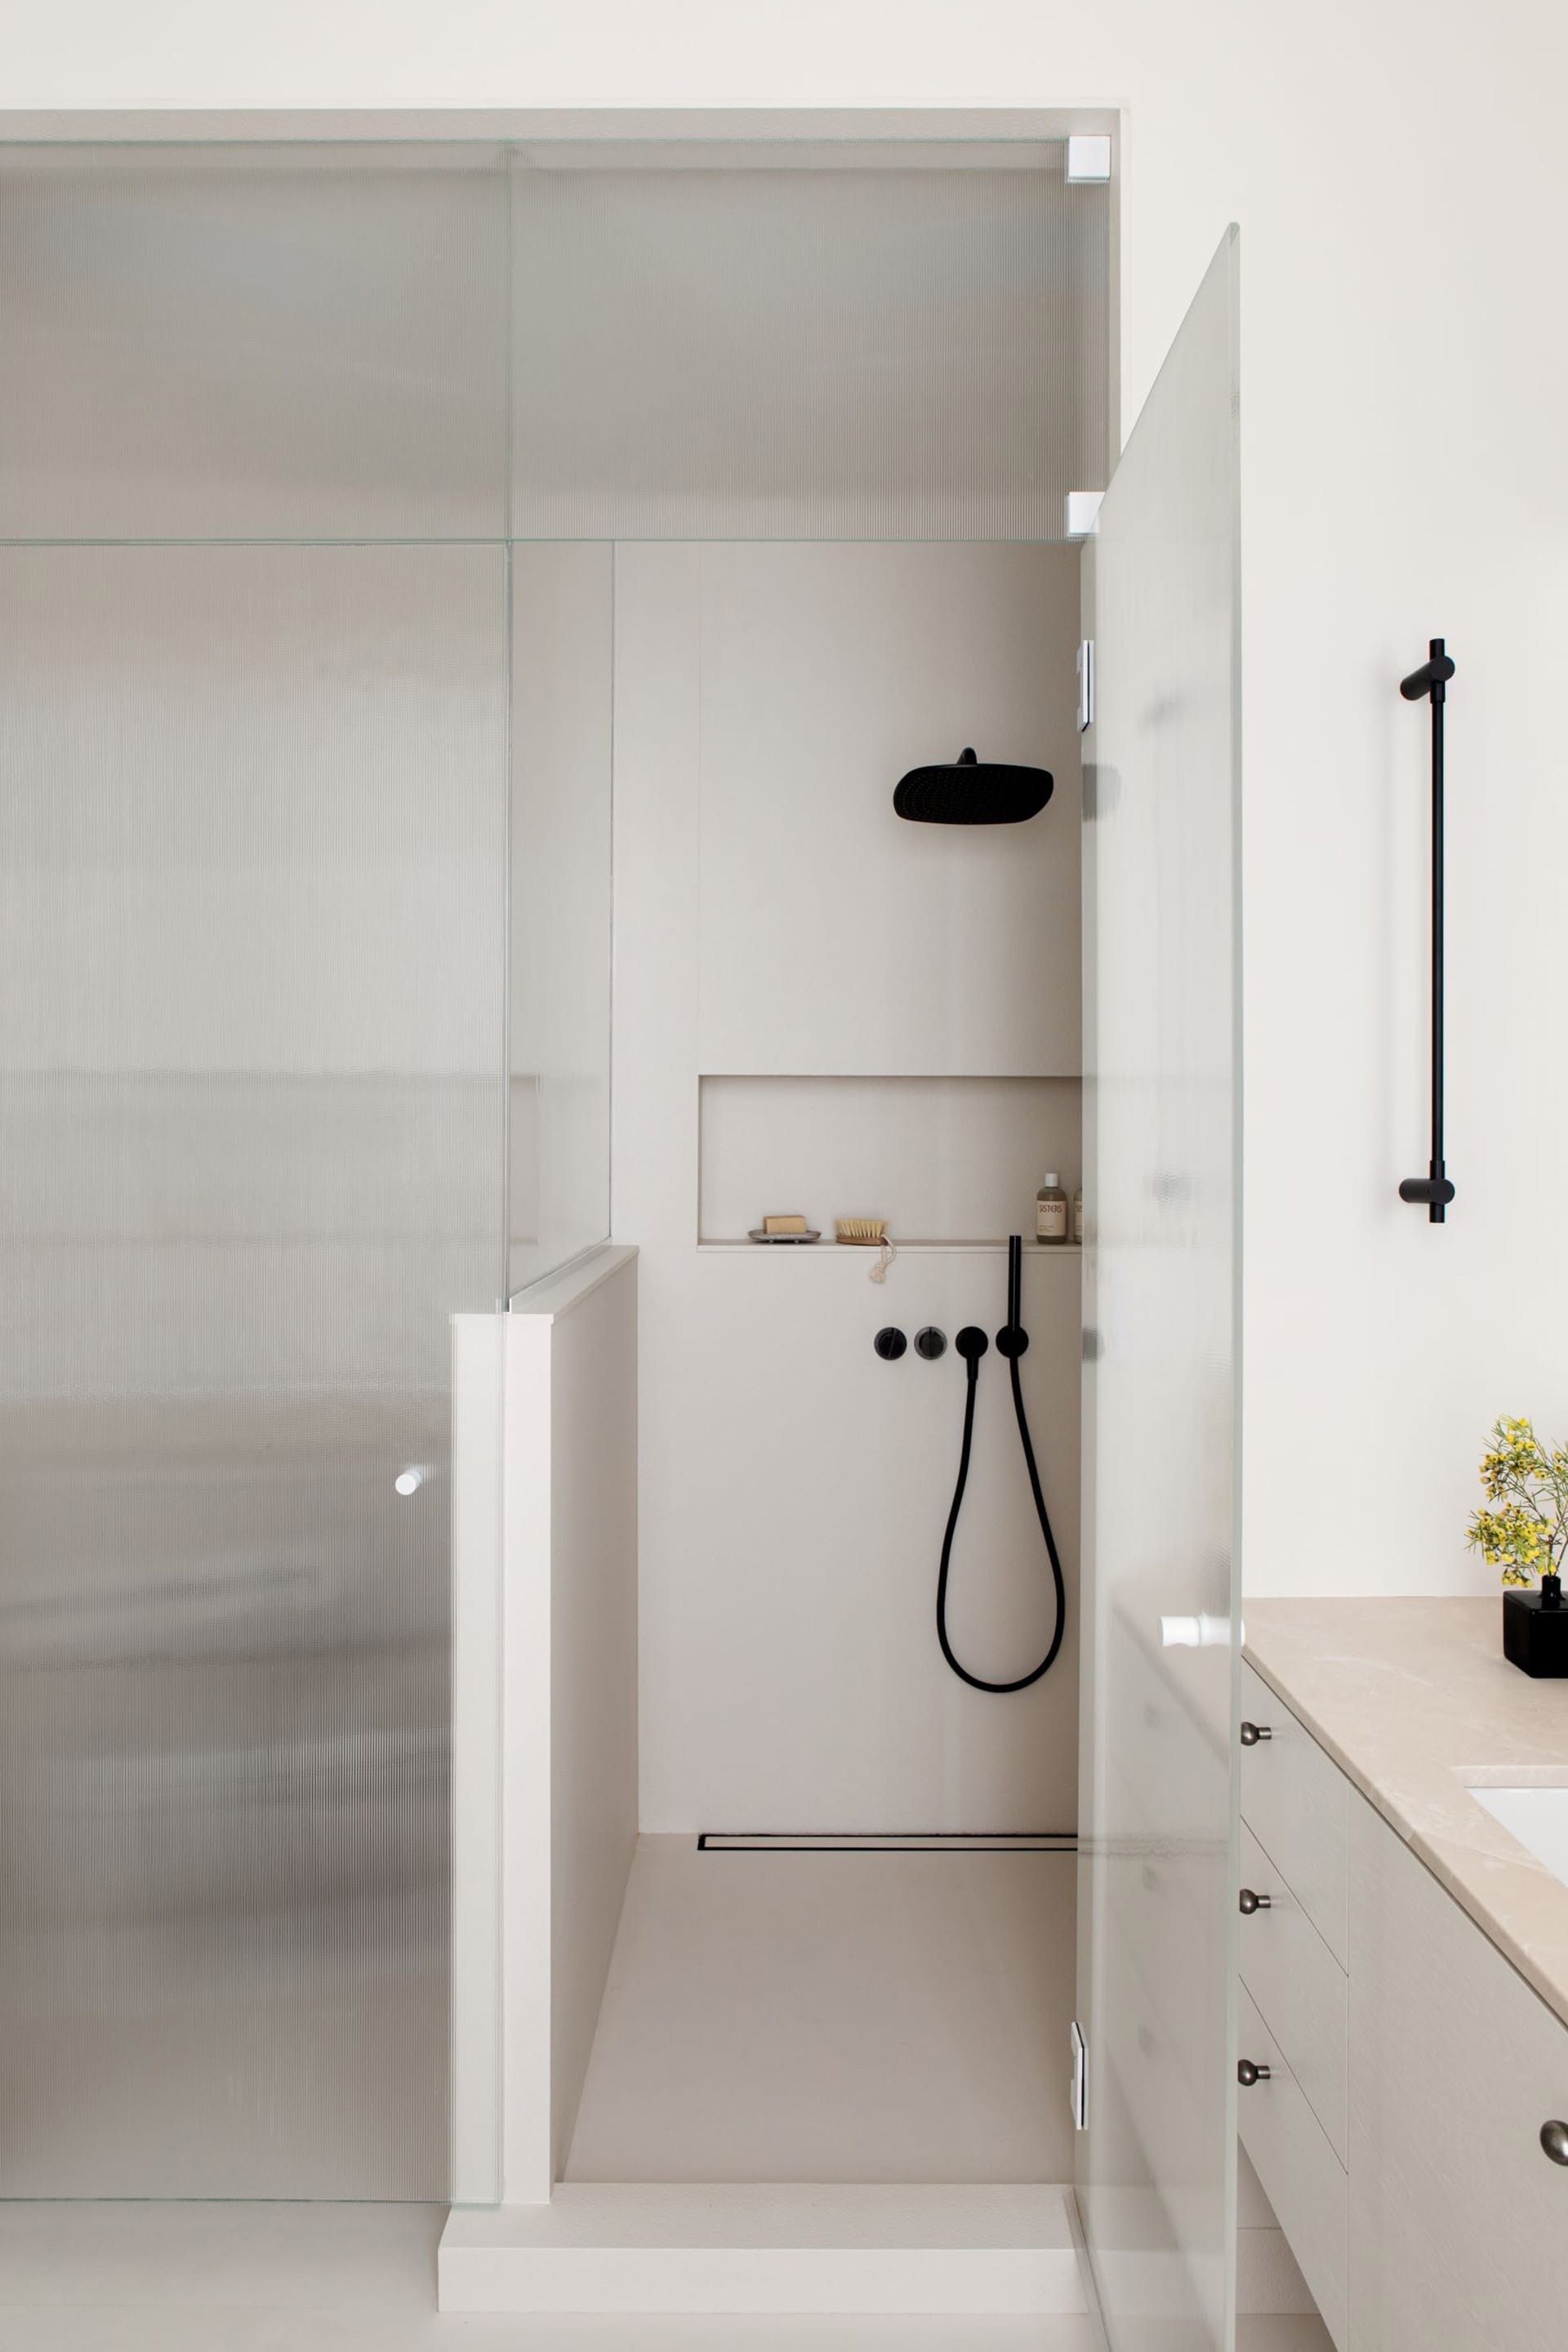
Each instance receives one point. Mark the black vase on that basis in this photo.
(1535, 1628)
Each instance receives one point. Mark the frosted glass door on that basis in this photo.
(1161, 782)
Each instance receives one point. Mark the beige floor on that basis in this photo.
(353, 2278)
(771, 2016)
(362, 2278)
(833, 2017)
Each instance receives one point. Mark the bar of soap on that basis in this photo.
(783, 1226)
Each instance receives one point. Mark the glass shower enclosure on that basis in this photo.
(313, 459)
(279, 1098)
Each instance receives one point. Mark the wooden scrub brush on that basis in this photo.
(865, 1233)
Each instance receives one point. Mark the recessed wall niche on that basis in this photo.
(945, 1161)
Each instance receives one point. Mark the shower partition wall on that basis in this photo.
(264, 654)
(253, 822)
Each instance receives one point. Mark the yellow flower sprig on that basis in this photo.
(1526, 1534)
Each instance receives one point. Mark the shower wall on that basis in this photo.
(805, 983)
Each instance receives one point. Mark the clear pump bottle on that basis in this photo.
(1052, 1212)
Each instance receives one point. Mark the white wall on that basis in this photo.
(832, 937)
(795, 1487)
(564, 1629)
(593, 1662)
(1401, 178)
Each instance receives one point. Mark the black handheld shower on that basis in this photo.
(1010, 1342)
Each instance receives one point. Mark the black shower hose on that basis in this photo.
(1012, 1341)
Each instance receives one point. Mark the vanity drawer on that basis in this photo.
(1297, 1805)
(1300, 1989)
(1302, 2178)
(1461, 2212)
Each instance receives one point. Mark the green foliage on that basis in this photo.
(1524, 1531)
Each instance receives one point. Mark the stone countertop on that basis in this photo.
(1416, 1702)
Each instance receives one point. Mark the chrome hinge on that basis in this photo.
(1088, 159)
(1080, 2078)
(1082, 513)
(1085, 684)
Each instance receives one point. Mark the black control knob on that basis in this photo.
(930, 1343)
(889, 1343)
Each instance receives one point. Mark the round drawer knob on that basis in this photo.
(1250, 1901)
(1251, 1733)
(1554, 2140)
(1246, 2074)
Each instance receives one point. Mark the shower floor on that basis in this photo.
(833, 2017)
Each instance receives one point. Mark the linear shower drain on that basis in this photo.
(903, 1842)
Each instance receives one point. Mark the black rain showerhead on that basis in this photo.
(967, 791)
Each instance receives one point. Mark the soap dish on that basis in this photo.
(757, 1234)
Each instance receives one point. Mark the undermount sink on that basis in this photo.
(1538, 1818)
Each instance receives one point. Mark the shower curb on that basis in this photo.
(785, 2248)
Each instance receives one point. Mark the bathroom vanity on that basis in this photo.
(1403, 1964)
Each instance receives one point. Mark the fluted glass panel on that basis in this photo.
(252, 343)
(807, 352)
(252, 824)
(1155, 2172)
(559, 1152)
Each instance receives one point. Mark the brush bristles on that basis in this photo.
(860, 1229)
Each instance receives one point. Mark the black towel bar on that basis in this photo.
(1428, 683)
